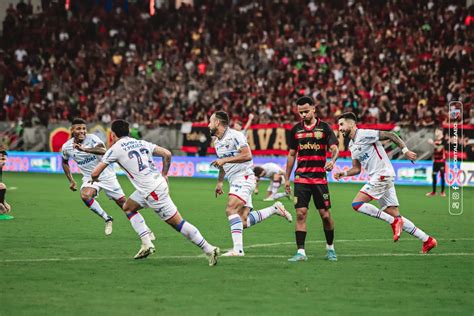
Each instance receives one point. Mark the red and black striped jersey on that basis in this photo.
(311, 144)
(439, 154)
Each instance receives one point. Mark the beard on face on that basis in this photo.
(213, 131)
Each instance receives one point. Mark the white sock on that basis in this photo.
(371, 210)
(275, 187)
(194, 235)
(96, 208)
(236, 230)
(279, 195)
(301, 251)
(256, 217)
(138, 223)
(410, 228)
(329, 247)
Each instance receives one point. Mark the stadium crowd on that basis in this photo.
(389, 61)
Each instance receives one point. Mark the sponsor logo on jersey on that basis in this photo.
(365, 156)
(86, 160)
(309, 146)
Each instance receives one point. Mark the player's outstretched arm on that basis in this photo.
(67, 172)
(165, 154)
(249, 122)
(98, 170)
(97, 150)
(384, 135)
(353, 171)
(290, 162)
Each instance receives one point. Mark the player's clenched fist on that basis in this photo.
(72, 186)
(288, 187)
(219, 190)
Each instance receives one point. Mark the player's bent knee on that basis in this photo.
(356, 205)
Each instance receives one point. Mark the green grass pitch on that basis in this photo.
(56, 260)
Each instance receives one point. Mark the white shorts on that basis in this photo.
(110, 186)
(383, 190)
(159, 200)
(282, 182)
(242, 188)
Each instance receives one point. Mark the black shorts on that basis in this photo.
(438, 166)
(319, 192)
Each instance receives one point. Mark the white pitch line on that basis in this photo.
(158, 257)
(352, 240)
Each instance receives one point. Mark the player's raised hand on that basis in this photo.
(338, 175)
(411, 156)
(288, 187)
(329, 165)
(217, 163)
(219, 190)
(72, 186)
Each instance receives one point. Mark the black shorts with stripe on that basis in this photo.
(319, 192)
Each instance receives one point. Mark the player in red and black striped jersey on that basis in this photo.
(439, 162)
(309, 142)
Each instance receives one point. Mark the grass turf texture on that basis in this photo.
(55, 258)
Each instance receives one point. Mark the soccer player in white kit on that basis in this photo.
(276, 174)
(368, 152)
(235, 161)
(135, 157)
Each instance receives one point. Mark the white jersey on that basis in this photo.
(367, 148)
(271, 169)
(135, 157)
(85, 161)
(229, 146)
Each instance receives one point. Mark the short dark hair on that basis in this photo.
(222, 117)
(304, 99)
(77, 121)
(121, 128)
(257, 170)
(348, 116)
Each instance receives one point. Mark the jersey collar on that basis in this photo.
(312, 126)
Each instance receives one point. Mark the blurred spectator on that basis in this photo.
(388, 61)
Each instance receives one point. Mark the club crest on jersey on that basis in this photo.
(318, 135)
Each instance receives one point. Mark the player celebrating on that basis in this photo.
(368, 152)
(439, 162)
(86, 149)
(235, 161)
(136, 159)
(238, 125)
(4, 206)
(309, 143)
(276, 175)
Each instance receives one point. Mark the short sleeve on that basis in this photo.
(331, 136)
(367, 136)
(292, 142)
(150, 146)
(240, 140)
(96, 140)
(110, 156)
(64, 153)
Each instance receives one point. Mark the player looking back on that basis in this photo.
(368, 152)
(135, 157)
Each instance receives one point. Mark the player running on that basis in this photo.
(5, 208)
(235, 161)
(309, 142)
(86, 149)
(368, 152)
(276, 175)
(135, 157)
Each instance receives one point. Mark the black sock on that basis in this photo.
(2, 195)
(442, 182)
(329, 236)
(300, 238)
(434, 182)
